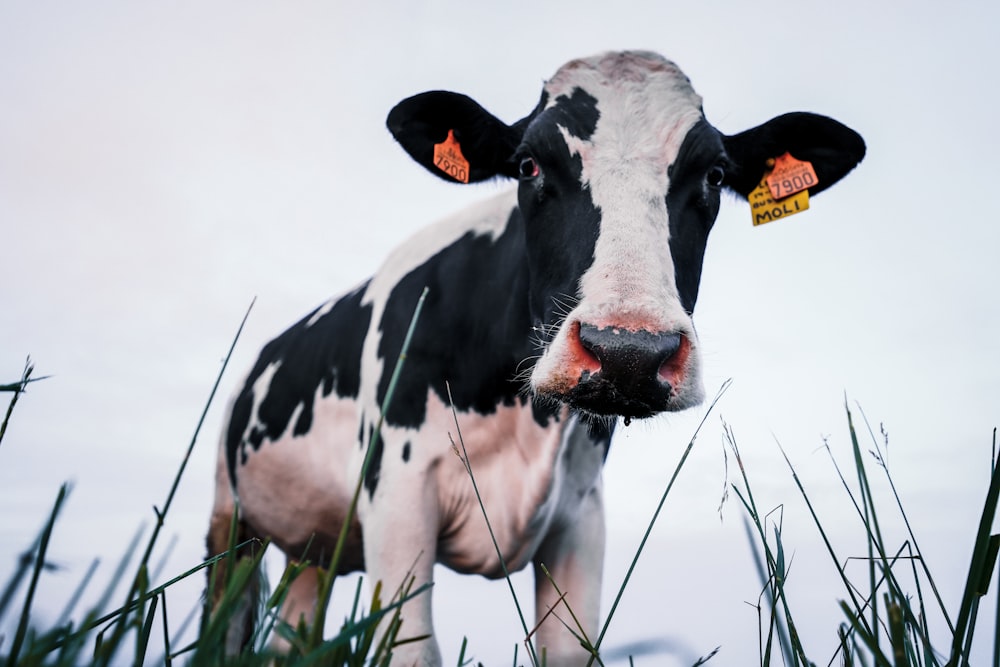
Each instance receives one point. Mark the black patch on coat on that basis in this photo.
(578, 113)
(485, 294)
(375, 462)
(325, 354)
(692, 206)
(473, 333)
(406, 452)
(561, 222)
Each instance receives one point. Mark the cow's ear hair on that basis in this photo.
(420, 122)
(833, 149)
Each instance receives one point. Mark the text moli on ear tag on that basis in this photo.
(765, 208)
(449, 159)
(790, 176)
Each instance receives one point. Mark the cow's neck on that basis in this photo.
(475, 335)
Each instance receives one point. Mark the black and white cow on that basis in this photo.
(552, 309)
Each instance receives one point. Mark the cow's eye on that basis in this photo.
(528, 168)
(715, 176)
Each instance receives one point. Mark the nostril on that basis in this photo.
(590, 342)
(669, 345)
(594, 342)
(587, 350)
(673, 360)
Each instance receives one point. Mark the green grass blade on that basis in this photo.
(161, 514)
(909, 529)
(327, 579)
(462, 662)
(767, 577)
(897, 632)
(996, 621)
(212, 638)
(579, 632)
(135, 595)
(861, 631)
(656, 513)
(74, 599)
(978, 569)
(147, 627)
(321, 653)
(167, 660)
(875, 543)
(17, 388)
(463, 455)
(91, 623)
(763, 647)
(827, 543)
(43, 545)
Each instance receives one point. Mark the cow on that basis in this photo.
(553, 309)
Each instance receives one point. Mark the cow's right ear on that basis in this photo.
(453, 137)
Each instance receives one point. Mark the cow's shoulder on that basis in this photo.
(474, 330)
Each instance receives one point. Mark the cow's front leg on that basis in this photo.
(573, 553)
(299, 606)
(400, 525)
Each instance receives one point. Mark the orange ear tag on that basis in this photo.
(790, 176)
(764, 208)
(449, 159)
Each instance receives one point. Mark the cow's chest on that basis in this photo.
(529, 478)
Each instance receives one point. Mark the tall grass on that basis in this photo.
(887, 616)
(105, 637)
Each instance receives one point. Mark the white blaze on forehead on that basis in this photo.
(646, 108)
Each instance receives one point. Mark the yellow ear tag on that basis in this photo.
(764, 208)
(449, 159)
(790, 176)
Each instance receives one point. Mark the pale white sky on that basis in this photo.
(163, 164)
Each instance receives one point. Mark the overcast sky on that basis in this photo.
(162, 164)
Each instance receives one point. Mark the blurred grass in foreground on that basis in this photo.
(885, 624)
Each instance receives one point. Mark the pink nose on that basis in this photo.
(629, 357)
(628, 373)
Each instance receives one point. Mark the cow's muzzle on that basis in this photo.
(628, 373)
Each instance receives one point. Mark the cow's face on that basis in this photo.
(604, 193)
(619, 178)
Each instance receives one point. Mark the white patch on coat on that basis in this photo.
(647, 106)
(322, 310)
(259, 391)
(295, 486)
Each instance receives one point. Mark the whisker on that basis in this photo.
(522, 371)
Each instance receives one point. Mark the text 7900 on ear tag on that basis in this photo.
(790, 176)
(449, 159)
(764, 208)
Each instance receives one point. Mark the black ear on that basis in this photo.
(421, 122)
(832, 148)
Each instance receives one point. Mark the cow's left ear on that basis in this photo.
(453, 137)
(832, 148)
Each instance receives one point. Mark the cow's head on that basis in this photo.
(620, 177)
